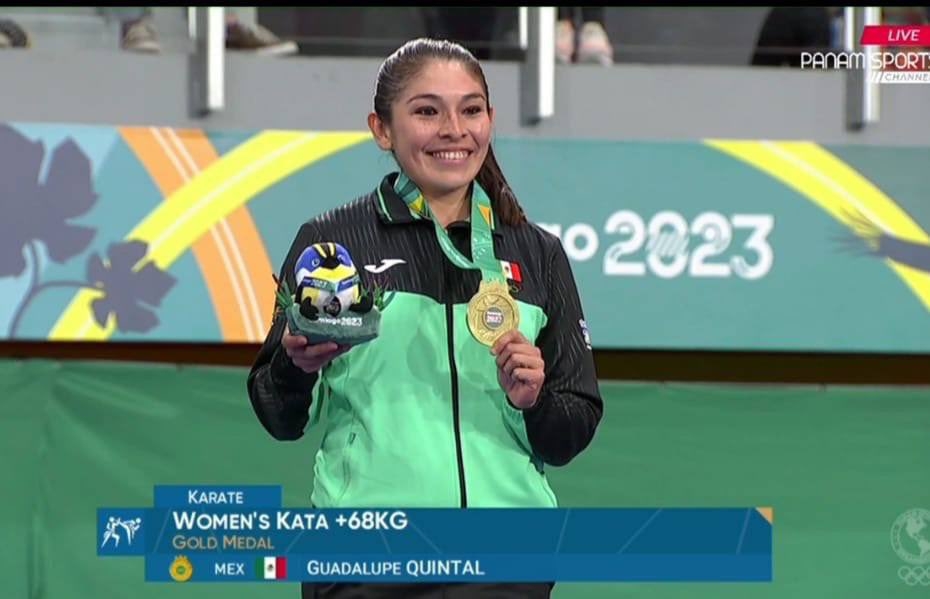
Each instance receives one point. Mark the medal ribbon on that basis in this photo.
(482, 244)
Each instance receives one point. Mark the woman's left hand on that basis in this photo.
(520, 368)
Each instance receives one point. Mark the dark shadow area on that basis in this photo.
(656, 35)
(736, 367)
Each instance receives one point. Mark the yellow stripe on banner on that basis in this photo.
(175, 224)
(839, 189)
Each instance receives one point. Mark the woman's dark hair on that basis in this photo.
(404, 64)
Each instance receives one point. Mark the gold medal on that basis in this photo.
(492, 312)
(181, 569)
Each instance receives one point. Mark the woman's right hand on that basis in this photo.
(310, 358)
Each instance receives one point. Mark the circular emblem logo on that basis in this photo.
(492, 312)
(181, 569)
(493, 317)
(910, 536)
(910, 539)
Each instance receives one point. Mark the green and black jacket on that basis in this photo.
(417, 417)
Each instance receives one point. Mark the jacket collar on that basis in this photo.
(392, 210)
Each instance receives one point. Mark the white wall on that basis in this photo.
(621, 102)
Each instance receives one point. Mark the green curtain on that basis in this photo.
(838, 464)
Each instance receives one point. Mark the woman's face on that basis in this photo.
(440, 128)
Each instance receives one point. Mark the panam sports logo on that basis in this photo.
(893, 54)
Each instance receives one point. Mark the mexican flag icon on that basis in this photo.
(271, 568)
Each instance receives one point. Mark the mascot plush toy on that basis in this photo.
(328, 282)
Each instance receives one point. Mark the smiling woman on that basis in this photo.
(481, 376)
(443, 138)
(432, 111)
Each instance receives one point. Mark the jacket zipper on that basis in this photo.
(456, 426)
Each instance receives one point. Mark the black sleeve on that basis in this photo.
(279, 391)
(562, 422)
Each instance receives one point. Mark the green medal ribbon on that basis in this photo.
(482, 244)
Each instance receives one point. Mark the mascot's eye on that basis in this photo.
(315, 263)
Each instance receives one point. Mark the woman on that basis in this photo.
(593, 46)
(428, 414)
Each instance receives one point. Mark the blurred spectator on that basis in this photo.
(906, 15)
(592, 44)
(255, 38)
(12, 35)
(138, 33)
(790, 30)
(474, 28)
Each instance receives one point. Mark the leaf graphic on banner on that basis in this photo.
(40, 211)
(871, 239)
(128, 293)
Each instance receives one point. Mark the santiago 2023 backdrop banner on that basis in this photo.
(159, 234)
